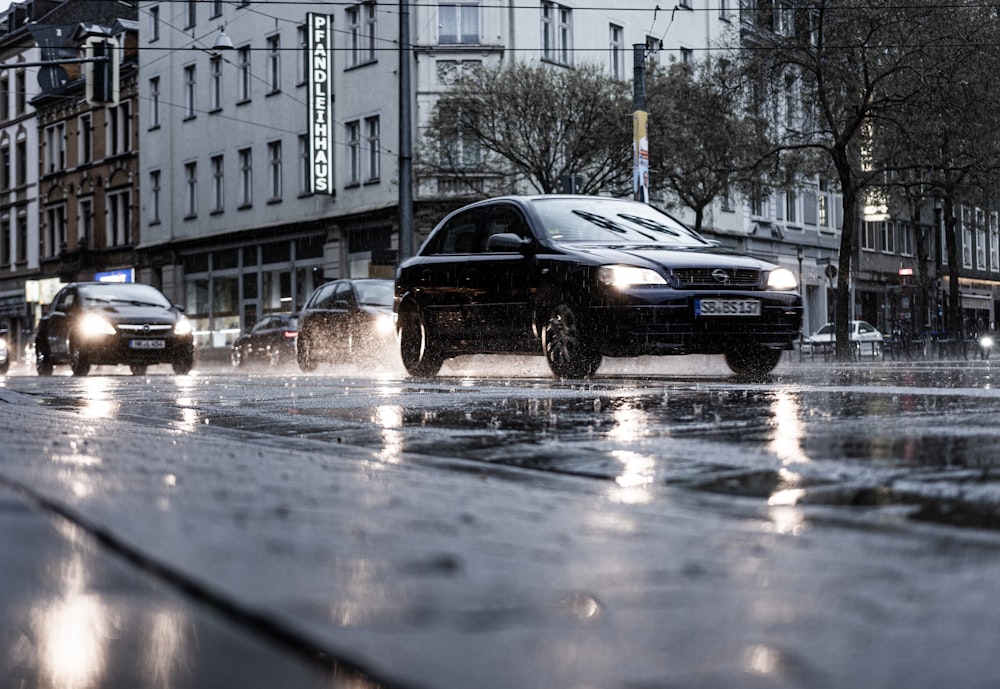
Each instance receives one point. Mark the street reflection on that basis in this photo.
(165, 658)
(390, 418)
(99, 402)
(788, 430)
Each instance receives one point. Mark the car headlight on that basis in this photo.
(385, 324)
(782, 278)
(986, 341)
(182, 326)
(628, 276)
(92, 325)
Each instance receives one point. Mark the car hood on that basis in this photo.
(128, 313)
(670, 257)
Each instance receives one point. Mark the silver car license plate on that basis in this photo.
(147, 344)
(726, 307)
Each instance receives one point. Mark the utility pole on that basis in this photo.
(405, 137)
(640, 139)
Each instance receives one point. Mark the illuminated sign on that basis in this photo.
(320, 102)
(122, 275)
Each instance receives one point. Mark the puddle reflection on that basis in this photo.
(99, 398)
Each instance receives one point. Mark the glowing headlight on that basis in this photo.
(385, 324)
(627, 276)
(93, 325)
(986, 341)
(182, 326)
(782, 278)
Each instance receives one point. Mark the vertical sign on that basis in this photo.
(320, 101)
(640, 156)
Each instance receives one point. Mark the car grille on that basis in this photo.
(717, 277)
(141, 328)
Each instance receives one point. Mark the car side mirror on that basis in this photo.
(507, 242)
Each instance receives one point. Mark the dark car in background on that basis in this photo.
(97, 323)
(578, 278)
(271, 340)
(347, 321)
(4, 353)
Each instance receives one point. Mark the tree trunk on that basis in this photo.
(848, 239)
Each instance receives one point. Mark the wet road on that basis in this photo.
(597, 499)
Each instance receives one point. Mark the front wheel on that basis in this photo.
(183, 366)
(78, 360)
(752, 360)
(236, 357)
(303, 355)
(568, 348)
(43, 365)
(420, 358)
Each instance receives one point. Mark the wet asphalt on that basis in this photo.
(183, 542)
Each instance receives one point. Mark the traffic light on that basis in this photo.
(101, 71)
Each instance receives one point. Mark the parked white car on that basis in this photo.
(865, 338)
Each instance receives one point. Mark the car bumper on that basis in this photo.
(671, 326)
(138, 351)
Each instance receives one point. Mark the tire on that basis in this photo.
(274, 356)
(236, 357)
(78, 360)
(420, 357)
(4, 367)
(752, 360)
(43, 365)
(303, 355)
(138, 369)
(568, 349)
(183, 366)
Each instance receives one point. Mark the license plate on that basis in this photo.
(147, 344)
(726, 307)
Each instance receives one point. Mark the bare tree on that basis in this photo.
(703, 144)
(502, 128)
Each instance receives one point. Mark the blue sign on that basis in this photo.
(121, 275)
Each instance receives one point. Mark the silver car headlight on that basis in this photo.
(782, 278)
(628, 276)
(182, 326)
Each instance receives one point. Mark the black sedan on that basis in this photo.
(347, 321)
(92, 323)
(271, 340)
(577, 278)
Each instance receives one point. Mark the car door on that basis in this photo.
(499, 281)
(59, 322)
(440, 279)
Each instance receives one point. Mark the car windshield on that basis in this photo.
(375, 293)
(611, 221)
(825, 330)
(127, 293)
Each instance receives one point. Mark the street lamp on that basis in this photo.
(938, 259)
(799, 253)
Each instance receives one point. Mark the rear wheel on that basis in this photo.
(569, 350)
(43, 365)
(236, 356)
(420, 357)
(78, 360)
(752, 360)
(304, 355)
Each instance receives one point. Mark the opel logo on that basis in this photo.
(145, 328)
(720, 276)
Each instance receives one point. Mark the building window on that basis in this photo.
(154, 197)
(246, 177)
(85, 138)
(791, 201)
(21, 92)
(154, 23)
(616, 46)
(85, 223)
(724, 10)
(869, 236)
(653, 47)
(274, 169)
(353, 152)
(980, 240)
(55, 224)
(154, 102)
(557, 33)
(302, 64)
(190, 190)
(5, 178)
(218, 184)
(215, 89)
(362, 28)
(191, 14)
(274, 64)
(21, 162)
(303, 164)
(458, 23)
(5, 252)
(888, 237)
(373, 152)
(245, 76)
(216, 9)
(55, 148)
(119, 210)
(4, 99)
(22, 237)
(189, 91)
(120, 128)
(994, 243)
(906, 239)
